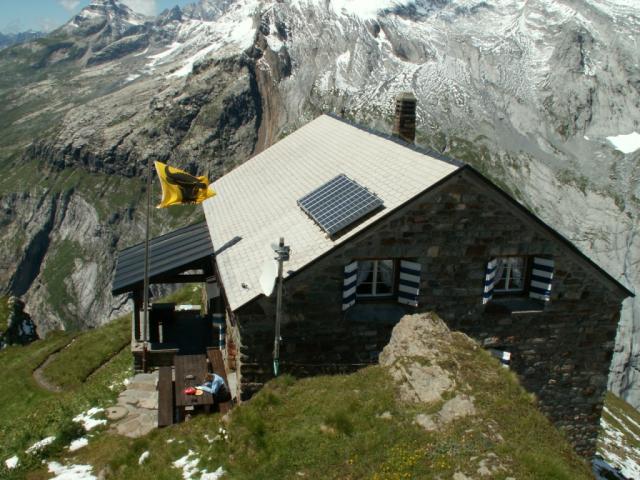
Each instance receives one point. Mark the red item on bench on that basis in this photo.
(189, 391)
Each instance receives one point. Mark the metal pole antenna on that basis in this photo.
(283, 255)
(145, 294)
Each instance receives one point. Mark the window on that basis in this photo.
(375, 278)
(528, 277)
(510, 275)
(379, 279)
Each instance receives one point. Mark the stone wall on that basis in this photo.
(561, 352)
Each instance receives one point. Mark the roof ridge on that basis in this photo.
(387, 136)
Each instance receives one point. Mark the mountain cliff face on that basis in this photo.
(526, 91)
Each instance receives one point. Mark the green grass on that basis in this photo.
(325, 427)
(57, 269)
(189, 295)
(4, 312)
(330, 427)
(29, 413)
(74, 364)
(89, 366)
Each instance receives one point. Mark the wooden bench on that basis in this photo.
(217, 365)
(165, 397)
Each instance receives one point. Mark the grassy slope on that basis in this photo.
(619, 445)
(28, 413)
(74, 364)
(4, 312)
(323, 427)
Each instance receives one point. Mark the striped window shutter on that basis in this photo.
(409, 286)
(489, 281)
(349, 285)
(541, 277)
(504, 357)
(219, 323)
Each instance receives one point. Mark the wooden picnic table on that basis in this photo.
(191, 371)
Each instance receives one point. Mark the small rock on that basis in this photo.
(426, 421)
(458, 407)
(460, 476)
(116, 412)
(328, 430)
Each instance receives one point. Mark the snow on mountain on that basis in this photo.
(114, 13)
(626, 143)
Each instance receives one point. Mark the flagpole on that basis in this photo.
(145, 294)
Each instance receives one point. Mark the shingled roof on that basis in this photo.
(257, 202)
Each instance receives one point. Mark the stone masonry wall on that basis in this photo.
(561, 353)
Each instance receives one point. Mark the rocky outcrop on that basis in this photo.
(19, 328)
(421, 361)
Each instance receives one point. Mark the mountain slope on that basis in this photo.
(529, 101)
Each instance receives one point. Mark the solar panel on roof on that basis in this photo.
(338, 203)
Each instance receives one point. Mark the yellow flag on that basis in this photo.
(180, 188)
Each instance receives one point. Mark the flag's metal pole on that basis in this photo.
(145, 294)
(283, 255)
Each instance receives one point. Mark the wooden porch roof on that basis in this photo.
(186, 248)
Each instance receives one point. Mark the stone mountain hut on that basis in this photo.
(379, 228)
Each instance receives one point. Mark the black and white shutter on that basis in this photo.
(409, 285)
(220, 324)
(349, 285)
(490, 280)
(541, 277)
(504, 357)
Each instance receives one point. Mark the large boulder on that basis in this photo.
(419, 358)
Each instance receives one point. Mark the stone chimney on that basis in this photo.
(404, 125)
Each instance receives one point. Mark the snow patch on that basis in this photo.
(71, 472)
(188, 66)
(12, 462)
(132, 77)
(40, 445)
(158, 57)
(87, 420)
(212, 475)
(190, 471)
(626, 143)
(188, 464)
(143, 457)
(615, 450)
(78, 443)
(274, 42)
(364, 9)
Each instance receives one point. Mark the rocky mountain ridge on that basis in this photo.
(9, 39)
(531, 101)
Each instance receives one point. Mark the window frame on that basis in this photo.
(394, 287)
(526, 278)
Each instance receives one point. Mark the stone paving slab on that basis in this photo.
(136, 411)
